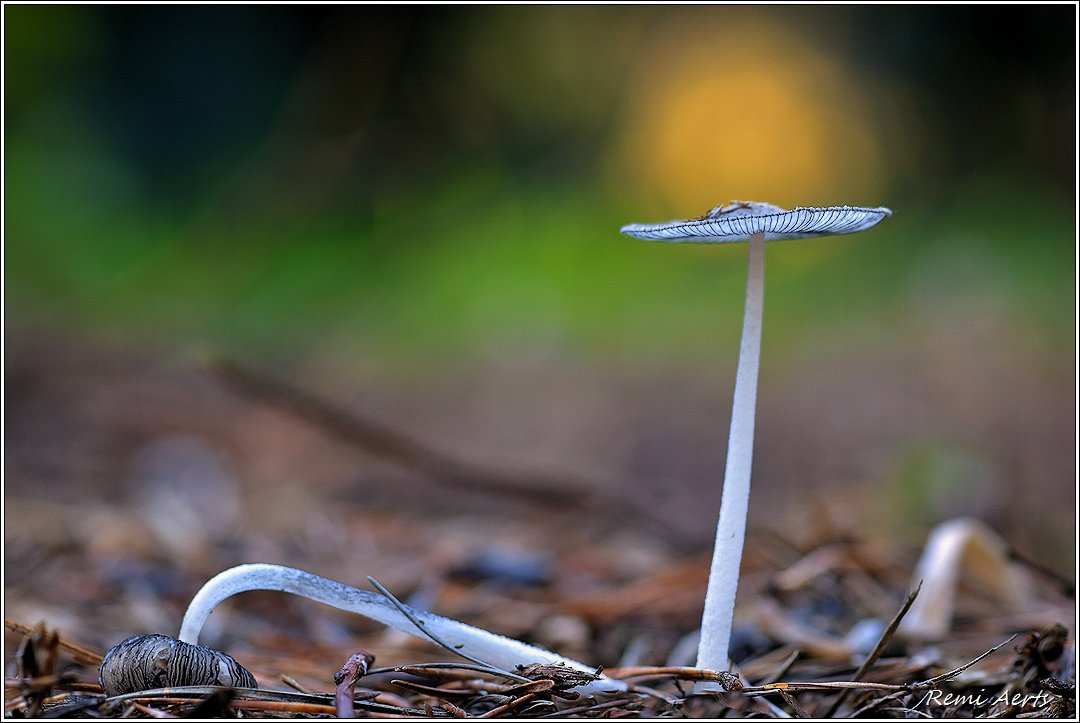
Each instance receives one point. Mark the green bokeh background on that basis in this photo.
(416, 191)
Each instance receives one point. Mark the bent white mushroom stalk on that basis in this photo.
(758, 223)
(495, 650)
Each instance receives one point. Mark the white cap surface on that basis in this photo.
(738, 220)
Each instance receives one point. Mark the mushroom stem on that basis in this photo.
(959, 546)
(495, 650)
(731, 528)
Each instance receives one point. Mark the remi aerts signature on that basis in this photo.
(982, 699)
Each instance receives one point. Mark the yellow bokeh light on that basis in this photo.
(747, 109)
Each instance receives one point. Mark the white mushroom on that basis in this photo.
(956, 547)
(475, 643)
(758, 223)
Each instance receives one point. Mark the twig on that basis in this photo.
(293, 683)
(515, 703)
(422, 627)
(590, 708)
(245, 697)
(876, 703)
(79, 654)
(154, 712)
(390, 444)
(544, 685)
(802, 686)
(434, 692)
(422, 669)
(553, 490)
(931, 682)
(861, 685)
(661, 696)
(895, 691)
(214, 705)
(876, 653)
(283, 707)
(683, 673)
(785, 666)
(70, 710)
(453, 709)
(355, 668)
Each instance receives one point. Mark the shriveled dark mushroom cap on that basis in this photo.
(738, 220)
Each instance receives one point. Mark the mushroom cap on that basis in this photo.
(739, 220)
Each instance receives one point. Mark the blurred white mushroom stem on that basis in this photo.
(962, 547)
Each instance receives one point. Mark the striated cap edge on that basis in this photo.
(740, 220)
